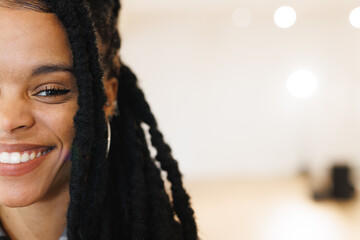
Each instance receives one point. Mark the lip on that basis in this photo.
(5, 147)
(19, 169)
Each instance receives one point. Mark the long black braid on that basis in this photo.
(122, 196)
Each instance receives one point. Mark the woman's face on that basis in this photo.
(38, 100)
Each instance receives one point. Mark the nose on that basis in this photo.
(15, 115)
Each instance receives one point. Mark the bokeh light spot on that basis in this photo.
(354, 17)
(285, 17)
(302, 84)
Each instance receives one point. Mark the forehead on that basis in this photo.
(28, 38)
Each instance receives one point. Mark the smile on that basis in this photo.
(23, 156)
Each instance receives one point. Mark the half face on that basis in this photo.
(38, 101)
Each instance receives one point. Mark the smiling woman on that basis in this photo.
(58, 66)
(38, 95)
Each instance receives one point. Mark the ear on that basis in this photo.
(111, 89)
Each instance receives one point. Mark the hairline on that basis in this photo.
(33, 5)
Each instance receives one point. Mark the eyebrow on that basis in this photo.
(51, 68)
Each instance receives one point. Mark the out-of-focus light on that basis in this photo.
(354, 17)
(241, 18)
(302, 84)
(299, 221)
(285, 17)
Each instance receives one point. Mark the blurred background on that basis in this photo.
(260, 102)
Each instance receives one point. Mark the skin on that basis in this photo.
(30, 39)
(111, 88)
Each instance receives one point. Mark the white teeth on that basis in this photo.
(4, 157)
(15, 157)
(25, 157)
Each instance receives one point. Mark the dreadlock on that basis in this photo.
(122, 196)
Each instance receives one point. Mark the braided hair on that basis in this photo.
(121, 196)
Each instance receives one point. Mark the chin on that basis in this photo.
(18, 198)
(15, 204)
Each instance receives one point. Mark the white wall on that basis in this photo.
(219, 92)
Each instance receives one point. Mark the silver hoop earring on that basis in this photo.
(108, 137)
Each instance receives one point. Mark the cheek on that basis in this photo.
(58, 121)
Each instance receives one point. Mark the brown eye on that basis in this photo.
(52, 92)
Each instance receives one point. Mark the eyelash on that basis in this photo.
(52, 92)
